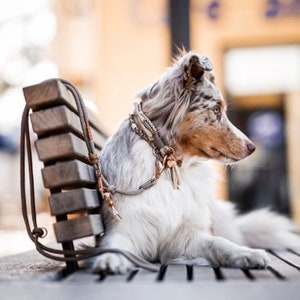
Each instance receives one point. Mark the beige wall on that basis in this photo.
(240, 23)
(112, 48)
(132, 50)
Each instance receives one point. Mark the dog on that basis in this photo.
(175, 217)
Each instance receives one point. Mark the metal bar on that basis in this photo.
(179, 16)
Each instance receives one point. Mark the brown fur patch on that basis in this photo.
(213, 139)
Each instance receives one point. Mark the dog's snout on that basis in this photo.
(251, 147)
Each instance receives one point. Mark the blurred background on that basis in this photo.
(112, 48)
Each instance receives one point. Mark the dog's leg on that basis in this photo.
(111, 263)
(221, 252)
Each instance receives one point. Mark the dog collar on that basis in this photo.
(165, 155)
(165, 159)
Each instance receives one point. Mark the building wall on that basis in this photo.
(113, 49)
(234, 23)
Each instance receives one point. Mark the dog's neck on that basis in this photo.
(165, 154)
(144, 127)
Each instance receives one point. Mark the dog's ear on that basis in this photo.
(195, 69)
(149, 92)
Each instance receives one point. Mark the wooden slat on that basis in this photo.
(69, 174)
(61, 146)
(292, 255)
(58, 118)
(78, 228)
(61, 119)
(89, 287)
(141, 277)
(28, 267)
(81, 277)
(53, 93)
(203, 273)
(48, 93)
(175, 273)
(73, 201)
(284, 265)
(234, 274)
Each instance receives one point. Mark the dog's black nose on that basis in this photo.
(251, 147)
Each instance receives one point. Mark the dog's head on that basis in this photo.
(190, 112)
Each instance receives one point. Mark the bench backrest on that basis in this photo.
(67, 173)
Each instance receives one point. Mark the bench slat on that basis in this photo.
(56, 119)
(61, 119)
(69, 174)
(48, 93)
(73, 201)
(78, 228)
(53, 93)
(62, 146)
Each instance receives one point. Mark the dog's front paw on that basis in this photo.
(110, 263)
(249, 259)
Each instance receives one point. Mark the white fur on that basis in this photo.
(166, 224)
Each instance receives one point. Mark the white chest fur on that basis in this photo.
(153, 217)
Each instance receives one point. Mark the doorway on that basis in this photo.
(261, 180)
(263, 84)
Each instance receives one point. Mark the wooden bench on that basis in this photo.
(68, 175)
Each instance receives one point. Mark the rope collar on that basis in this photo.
(165, 155)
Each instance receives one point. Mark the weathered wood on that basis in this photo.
(280, 265)
(56, 119)
(61, 119)
(81, 276)
(175, 273)
(48, 93)
(29, 275)
(68, 174)
(237, 274)
(78, 228)
(292, 255)
(89, 287)
(29, 266)
(73, 201)
(52, 93)
(62, 146)
(203, 273)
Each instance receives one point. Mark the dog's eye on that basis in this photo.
(217, 111)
